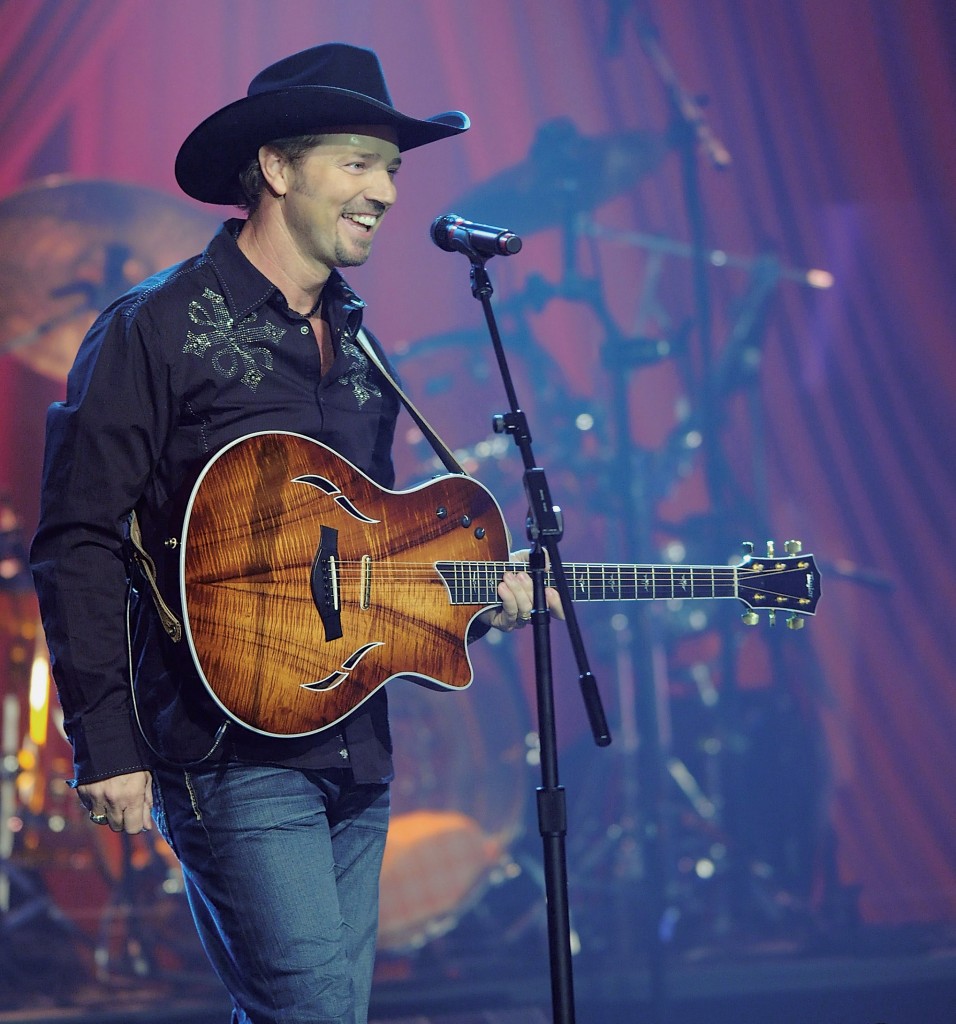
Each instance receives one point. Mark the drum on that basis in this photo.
(462, 758)
(455, 381)
(458, 800)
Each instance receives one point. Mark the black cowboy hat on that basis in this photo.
(323, 87)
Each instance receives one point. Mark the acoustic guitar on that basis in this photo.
(306, 586)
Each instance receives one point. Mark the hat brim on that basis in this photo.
(210, 160)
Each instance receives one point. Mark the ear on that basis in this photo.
(274, 167)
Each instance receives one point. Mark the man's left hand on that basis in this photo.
(516, 593)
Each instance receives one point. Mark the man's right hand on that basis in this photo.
(125, 800)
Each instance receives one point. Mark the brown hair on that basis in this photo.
(251, 181)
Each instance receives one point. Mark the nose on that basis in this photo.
(382, 189)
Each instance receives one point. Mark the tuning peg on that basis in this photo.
(748, 546)
(795, 622)
(769, 549)
(750, 618)
(793, 547)
(773, 616)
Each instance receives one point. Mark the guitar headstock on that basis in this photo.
(789, 583)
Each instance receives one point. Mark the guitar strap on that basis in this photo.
(146, 565)
(441, 449)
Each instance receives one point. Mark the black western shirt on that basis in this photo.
(190, 360)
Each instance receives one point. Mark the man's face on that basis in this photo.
(338, 193)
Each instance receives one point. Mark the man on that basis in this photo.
(280, 839)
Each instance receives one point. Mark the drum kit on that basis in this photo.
(462, 760)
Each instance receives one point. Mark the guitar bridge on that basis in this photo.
(325, 582)
(366, 600)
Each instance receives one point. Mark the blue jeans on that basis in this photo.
(281, 870)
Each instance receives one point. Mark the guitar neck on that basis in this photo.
(477, 582)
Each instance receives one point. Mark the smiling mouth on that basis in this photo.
(363, 220)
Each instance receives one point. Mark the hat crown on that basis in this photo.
(315, 89)
(331, 65)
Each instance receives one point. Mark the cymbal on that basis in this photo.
(565, 173)
(69, 247)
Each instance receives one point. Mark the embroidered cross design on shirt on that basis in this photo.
(357, 376)
(233, 345)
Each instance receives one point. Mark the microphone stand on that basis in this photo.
(544, 529)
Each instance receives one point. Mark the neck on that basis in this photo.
(302, 287)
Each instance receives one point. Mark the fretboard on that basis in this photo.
(477, 582)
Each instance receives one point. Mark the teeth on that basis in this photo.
(365, 219)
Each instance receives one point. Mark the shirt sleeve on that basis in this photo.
(101, 444)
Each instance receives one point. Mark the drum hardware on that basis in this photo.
(656, 780)
(144, 928)
(111, 244)
(78, 244)
(43, 834)
(564, 175)
(15, 597)
(455, 373)
(24, 900)
(812, 277)
(662, 793)
(452, 830)
(9, 769)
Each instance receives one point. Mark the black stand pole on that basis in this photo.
(544, 531)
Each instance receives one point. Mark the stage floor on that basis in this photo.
(872, 976)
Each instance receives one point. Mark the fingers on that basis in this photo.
(123, 802)
(554, 603)
(553, 597)
(516, 593)
(517, 599)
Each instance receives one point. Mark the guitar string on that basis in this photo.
(426, 572)
(582, 568)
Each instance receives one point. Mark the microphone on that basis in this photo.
(455, 234)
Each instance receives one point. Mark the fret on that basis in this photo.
(477, 582)
(490, 580)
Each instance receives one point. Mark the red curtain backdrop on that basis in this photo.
(838, 117)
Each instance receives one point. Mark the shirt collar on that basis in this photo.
(246, 288)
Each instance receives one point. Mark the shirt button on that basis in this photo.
(304, 329)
